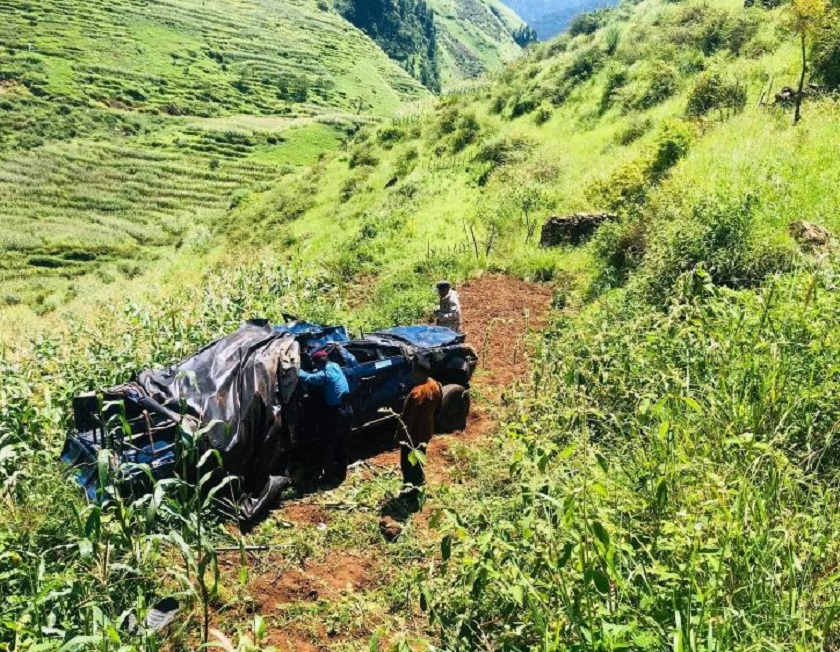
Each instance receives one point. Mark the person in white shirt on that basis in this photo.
(449, 312)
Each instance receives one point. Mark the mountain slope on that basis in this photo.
(667, 478)
(550, 17)
(196, 57)
(474, 37)
(108, 155)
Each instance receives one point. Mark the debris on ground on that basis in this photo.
(572, 229)
(809, 235)
(390, 528)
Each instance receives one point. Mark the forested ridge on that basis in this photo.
(404, 29)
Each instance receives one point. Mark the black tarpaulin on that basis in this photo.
(238, 388)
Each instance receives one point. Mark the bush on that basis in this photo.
(637, 128)
(616, 80)
(466, 133)
(618, 249)
(362, 156)
(625, 190)
(825, 54)
(711, 91)
(587, 23)
(719, 233)
(671, 145)
(407, 161)
(389, 136)
(584, 65)
(656, 85)
(523, 105)
(612, 39)
(543, 115)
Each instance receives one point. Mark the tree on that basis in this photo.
(806, 17)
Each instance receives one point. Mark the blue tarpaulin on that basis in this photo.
(423, 336)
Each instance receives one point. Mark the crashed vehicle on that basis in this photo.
(242, 392)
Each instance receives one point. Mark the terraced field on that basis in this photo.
(72, 208)
(474, 37)
(197, 57)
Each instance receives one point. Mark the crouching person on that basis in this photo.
(418, 426)
(337, 418)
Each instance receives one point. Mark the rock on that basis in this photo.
(391, 529)
(809, 235)
(572, 229)
(786, 96)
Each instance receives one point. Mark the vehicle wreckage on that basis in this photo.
(242, 392)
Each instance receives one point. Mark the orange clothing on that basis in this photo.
(420, 412)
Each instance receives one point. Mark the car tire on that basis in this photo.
(454, 409)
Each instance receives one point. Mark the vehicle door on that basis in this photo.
(360, 362)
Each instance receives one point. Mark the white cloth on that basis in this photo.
(449, 313)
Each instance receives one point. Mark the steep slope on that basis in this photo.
(474, 37)
(550, 17)
(108, 155)
(196, 57)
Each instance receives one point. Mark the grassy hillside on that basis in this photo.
(196, 58)
(474, 37)
(667, 479)
(109, 158)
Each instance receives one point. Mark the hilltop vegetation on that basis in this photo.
(667, 481)
(474, 37)
(550, 17)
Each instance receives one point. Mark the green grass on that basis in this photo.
(474, 37)
(198, 58)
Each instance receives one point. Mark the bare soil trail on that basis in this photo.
(499, 312)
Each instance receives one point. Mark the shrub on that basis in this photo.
(636, 128)
(407, 161)
(711, 91)
(612, 39)
(523, 105)
(655, 86)
(362, 156)
(616, 80)
(389, 136)
(719, 233)
(543, 115)
(671, 145)
(825, 54)
(618, 249)
(587, 23)
(584, 65)
(466, 133)
(625, 190)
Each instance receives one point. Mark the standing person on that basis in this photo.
(449, 312)
(418, 422)
(337, 418)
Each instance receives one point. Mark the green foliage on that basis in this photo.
(656, 85)
(712, 91)
(719, 234)
(635, 129)
(587, 23)
(524, 36)
(679, 446)
(671, 145)
(404, 29)
(825, 51)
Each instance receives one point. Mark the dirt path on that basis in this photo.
(499, 313)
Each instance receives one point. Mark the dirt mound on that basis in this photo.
(276, 583)
(499, 312)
